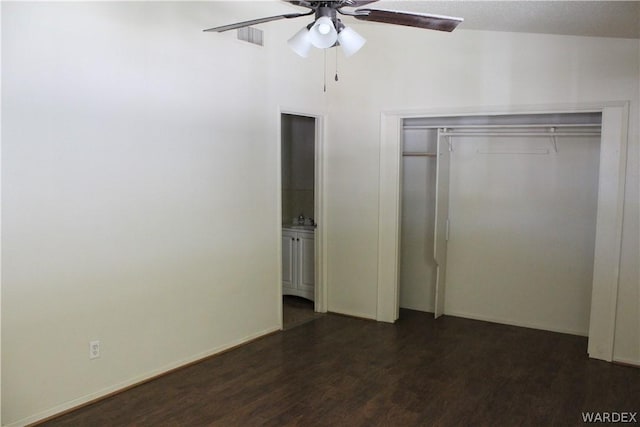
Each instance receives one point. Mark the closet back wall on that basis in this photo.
(522, 231)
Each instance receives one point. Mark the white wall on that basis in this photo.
(139, 177)
(447, 72)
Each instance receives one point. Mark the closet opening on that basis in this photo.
(301, 297)
(608, 228)
(498, 217)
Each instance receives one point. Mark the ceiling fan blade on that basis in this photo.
(257, 21)
(311, 4)
(301, 3)
(356, 3)
(410, 19)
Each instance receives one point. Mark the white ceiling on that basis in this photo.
(580, 18)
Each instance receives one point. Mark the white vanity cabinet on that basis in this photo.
(298, 259)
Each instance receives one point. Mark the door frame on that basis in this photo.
(320, 291)
(611, 185)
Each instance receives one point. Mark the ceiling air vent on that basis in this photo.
(251, 35)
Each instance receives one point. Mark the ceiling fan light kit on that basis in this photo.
(323, 34)
(328, 31)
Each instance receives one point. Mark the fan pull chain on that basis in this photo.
(336, 49)
(325, 70)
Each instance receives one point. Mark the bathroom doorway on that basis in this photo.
(300, 213)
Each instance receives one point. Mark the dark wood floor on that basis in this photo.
(296, 311)
(338, 370)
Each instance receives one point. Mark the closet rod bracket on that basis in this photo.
(554, 139)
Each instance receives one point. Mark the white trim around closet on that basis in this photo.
(611, 186)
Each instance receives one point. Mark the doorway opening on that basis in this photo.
(300, 219)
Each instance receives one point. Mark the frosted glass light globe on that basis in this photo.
(324, 28)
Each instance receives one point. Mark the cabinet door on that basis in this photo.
(288, 260)
(306, 264)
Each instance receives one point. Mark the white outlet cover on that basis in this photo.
(94, 349)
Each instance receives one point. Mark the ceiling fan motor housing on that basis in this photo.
(326, 11)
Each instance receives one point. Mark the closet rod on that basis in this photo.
(545, 134)
(419, 155)
(548, 126)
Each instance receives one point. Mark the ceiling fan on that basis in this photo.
(327, 30)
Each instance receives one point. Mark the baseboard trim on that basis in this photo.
(353, 316)
(626, 362)
(514, 323)
(105, 393)
(430, 310)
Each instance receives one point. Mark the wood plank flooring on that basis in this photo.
(296, 311)
(341, 371)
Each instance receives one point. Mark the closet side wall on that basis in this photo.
(417, 268)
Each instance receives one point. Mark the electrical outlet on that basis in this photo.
(94, 349)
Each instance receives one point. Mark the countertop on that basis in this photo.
(299, 227)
